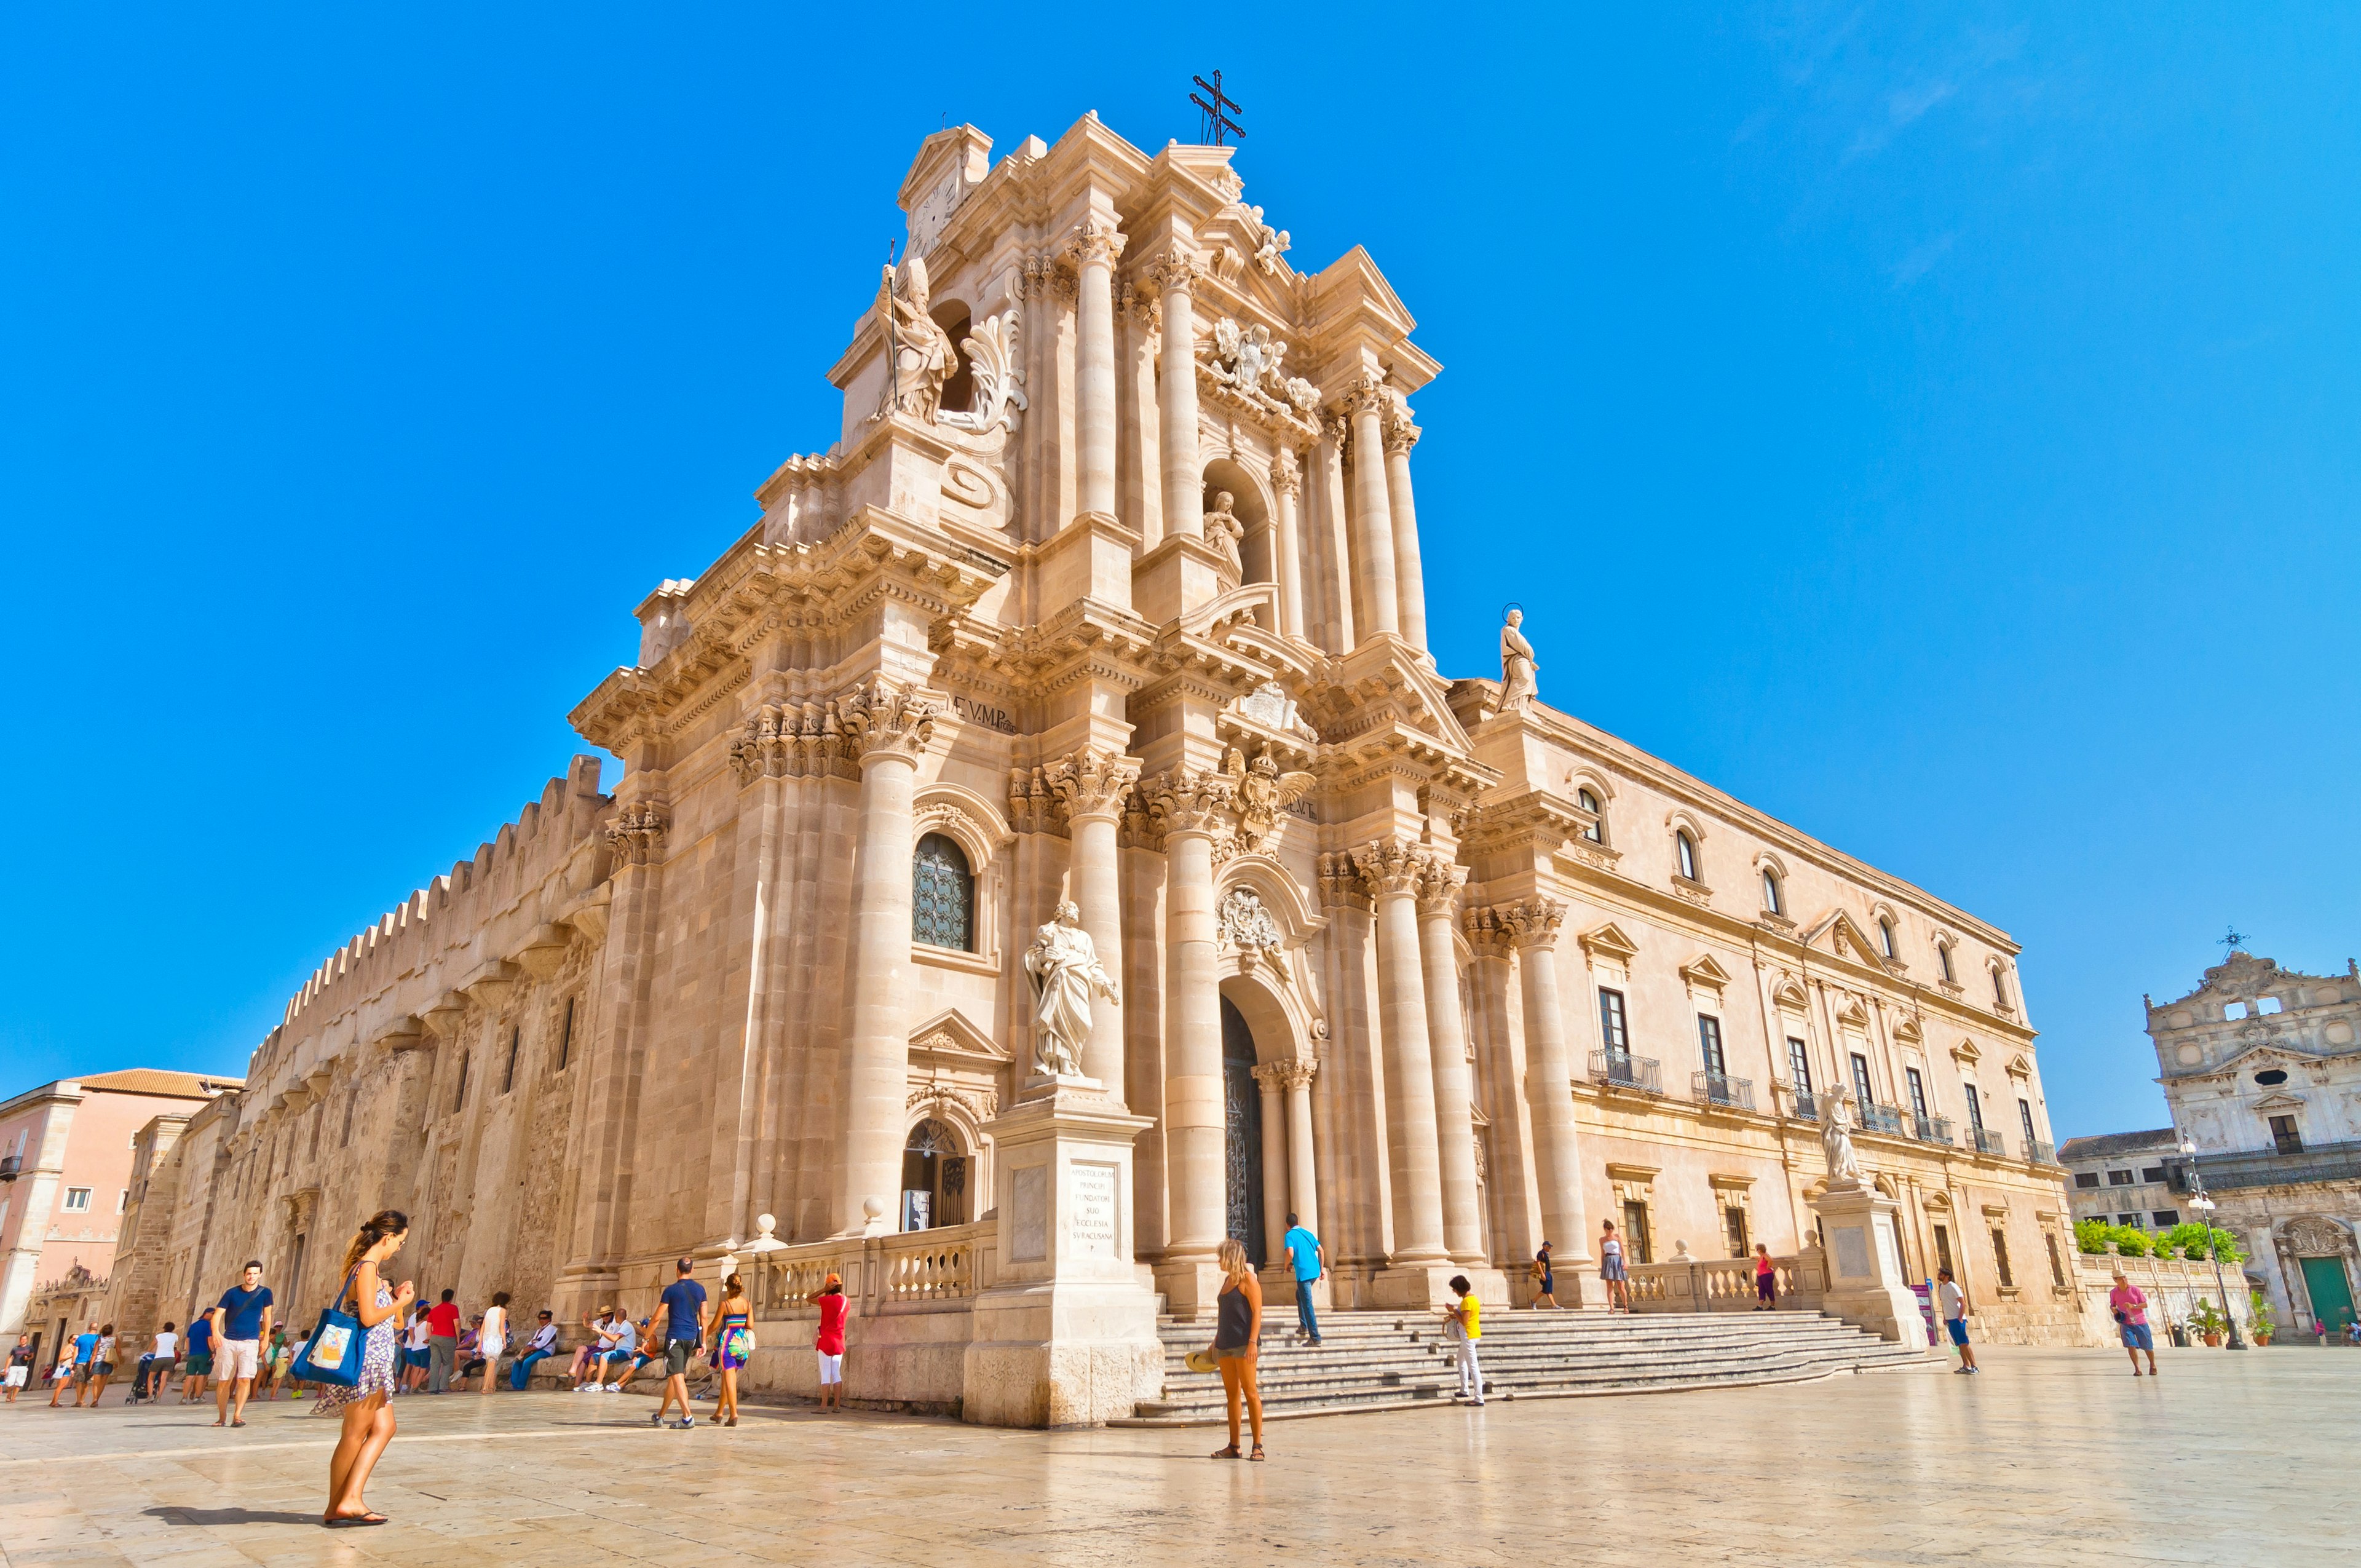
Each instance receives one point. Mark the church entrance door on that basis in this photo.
(2331, 1293)
(1242, 1148)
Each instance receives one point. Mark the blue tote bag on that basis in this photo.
(332, 1353)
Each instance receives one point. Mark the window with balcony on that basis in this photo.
(1917, 1093)
(1611, 1032)
(1975, 1110)
(1710, 1044)
(1799, 1065)
(1860, 1079)
(2025, 1120)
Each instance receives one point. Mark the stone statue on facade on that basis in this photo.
(1836, 1142)
(923, 358)
(1518, 668)
(1064, 964)
(1223, 531)
(1261, 792)
(1244, 356)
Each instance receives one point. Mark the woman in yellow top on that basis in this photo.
(1463, 1328)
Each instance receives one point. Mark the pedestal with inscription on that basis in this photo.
(1065, 1336)
(1866, 1287)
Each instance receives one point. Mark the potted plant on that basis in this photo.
(2206, 1318)
(2264, 1323)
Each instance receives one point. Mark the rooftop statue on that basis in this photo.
(923, 356)
(1064, 963)
(1518, 668)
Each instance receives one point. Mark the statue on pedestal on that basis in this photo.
(1064, 963)
(1518, 668)
(1836, 1142)
(923, 358)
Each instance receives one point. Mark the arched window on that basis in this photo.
(942, 895)
(1886, 936)
(1596, 831)
(1999, 985)
(1943, 958)
(1772, 904)
(1685, 852)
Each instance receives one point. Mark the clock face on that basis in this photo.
(934, 209)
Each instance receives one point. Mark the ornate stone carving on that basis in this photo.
(1244, 358)
(1836, 1141)
(1400, 433)
(1261, 792)
(1270, 705)
(1487, 934)
(1439, 881)
(1225, 531)
(1532, 923)
(922, 354)
(1340, 882)
(636, 834)
(1064, 964)
(1518, 668)
(1091, 782)
(1032, 804)
(1094, 239)
(999, 372)
(1246, 925)
(1184, 802)
(879, 718)
(2311, 1236)
(1270, 244)
(1390, 866)
(789, 740)
(1305, 397)
(1176, 271)
(1286, 469)
(982, 1104)
(1368, 394)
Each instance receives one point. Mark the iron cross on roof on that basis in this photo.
(1212, 122)
(2232, 938)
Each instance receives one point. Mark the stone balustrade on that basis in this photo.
(1690, 1284)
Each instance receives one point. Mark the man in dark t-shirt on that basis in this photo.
(201, 1358)
(241, 1322)
(685, 1309)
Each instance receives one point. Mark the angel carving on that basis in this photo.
(1261, 792)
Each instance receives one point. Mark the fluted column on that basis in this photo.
(1194, 808)
(1454, 1126)
(1269, 1077)
(1091, 787)
(1302, 1173)
(1409, 581)
(1391, 870)
(1093, 248)
(1336, 531)
(891, 730)
(1287, 480)
(1549, 1080)
(1373, 519)
(1176, 395)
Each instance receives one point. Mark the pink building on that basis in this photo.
(65, 1174)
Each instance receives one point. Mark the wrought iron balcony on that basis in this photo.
(1930, 1129)
(1876, 1118)
(2268, 1167)
(1807, 1105)
(2040, 1153)
(1625, 1071)
(1720, 1089)
(11, 1167)
(1990, 1141)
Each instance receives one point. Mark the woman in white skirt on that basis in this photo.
(492, 1339)
(1610, 1269)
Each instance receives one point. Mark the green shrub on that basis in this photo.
(2090, 1235)
(2130, 1240)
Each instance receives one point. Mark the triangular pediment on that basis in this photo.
(2019, 1067)
(2279, 1099)
(1703, 970)
(1966, 1054)
(1853, 1015)
(1848, 940)
(2257, 1056)
(951, 1036)
(1608, 941)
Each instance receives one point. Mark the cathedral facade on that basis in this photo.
(1108, 593)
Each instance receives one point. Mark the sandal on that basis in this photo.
(1229, 1452)
(1257, 1455)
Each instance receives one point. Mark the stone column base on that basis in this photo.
(1866, 1288)
(1416, 1287)
(1061, 1355)
(1189, 1288)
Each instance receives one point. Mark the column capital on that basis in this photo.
(1388, 866)
(880, 722)
(1176, 271)
(1184, 802)
(1368, 395)
(1094, 239)
(636, 833)
(1400, 434)
(1439, 881)
(1533, 923)
(1090, 783)
(1487, 933)
(1286, 471)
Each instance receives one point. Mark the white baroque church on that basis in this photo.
(1108, 590)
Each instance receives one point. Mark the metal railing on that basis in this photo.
(11, 1167)
(2040, 1153)
(1990, 1141)
(1720, 1089)
(1930, 1129)
(1876, 1118)
(2268, 1167)
(1807, 1105)
(1625, 1071)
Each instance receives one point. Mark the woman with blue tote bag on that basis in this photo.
(366, 1403)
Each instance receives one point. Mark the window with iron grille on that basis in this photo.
(942, 895)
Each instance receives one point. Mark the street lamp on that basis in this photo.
(2205, 1207)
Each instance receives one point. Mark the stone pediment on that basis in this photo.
(1608, 941)
(2278, 1100)
(2255, 1058)
(1382, 688)
(1704, 974)
(1846, 940)
(950, 1039)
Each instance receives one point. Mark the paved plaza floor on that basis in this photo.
(2049, 1457)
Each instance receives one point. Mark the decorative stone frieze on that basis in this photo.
(1091, 782)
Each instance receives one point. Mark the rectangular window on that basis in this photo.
(2086, 1178)
(2285, 1139)
(1860, 1079)
(77, 1199)
(1799, 1064)
(2025, 1120)
(2131, 1220)
(565, 1036)
(1635, 1232)
(2153, 1173)
(2057, 1264)
(2000, 1258)
(1710, 1042)
(123, 1200)
(350, 1101)
(1610, 1023)
(2000, 987)
(459, 1097)
(1917, 1093)
(1733, 1221)
(2166, 1218)
(1975, 1110)
(1943, 1252)
(2119, 1179)
(508, 1073)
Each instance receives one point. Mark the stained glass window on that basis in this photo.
(943, 896)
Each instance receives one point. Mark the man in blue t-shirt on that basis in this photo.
(684, 1306)
(201, 1358)
(1311, 1263)
(241, 1320)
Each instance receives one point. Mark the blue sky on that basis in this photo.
(1937, 428)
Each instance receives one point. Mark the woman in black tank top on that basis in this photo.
(1237, 1340)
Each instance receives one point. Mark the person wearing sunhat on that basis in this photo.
(830, 1343)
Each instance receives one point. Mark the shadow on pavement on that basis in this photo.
(227, 1516)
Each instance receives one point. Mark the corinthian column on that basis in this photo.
(1270, 1078)
(1391, 870)
(891, 730)
(1400, 436)
(1549, 1078)
(1302, 1174)
(1373, 521)
(1093, 247)
(1194, 808)
(1287, 479)
(1438, 898)
(1176, 396)
(1091, 786)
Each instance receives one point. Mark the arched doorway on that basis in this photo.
(934, 1178)
(1242, 1146)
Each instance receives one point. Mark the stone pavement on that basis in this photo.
(2051, 1456)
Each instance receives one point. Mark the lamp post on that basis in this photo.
(2205, 1206)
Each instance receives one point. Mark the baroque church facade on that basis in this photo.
(1108, 591)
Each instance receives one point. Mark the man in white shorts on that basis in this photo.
(241, 1320)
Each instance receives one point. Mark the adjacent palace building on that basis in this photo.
(1109, 590)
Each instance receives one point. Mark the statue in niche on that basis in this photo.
(1064, 964)
(1245, 356)
(1225, 531)
(1518, 668)
(923, 358)
(1836, 1142)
